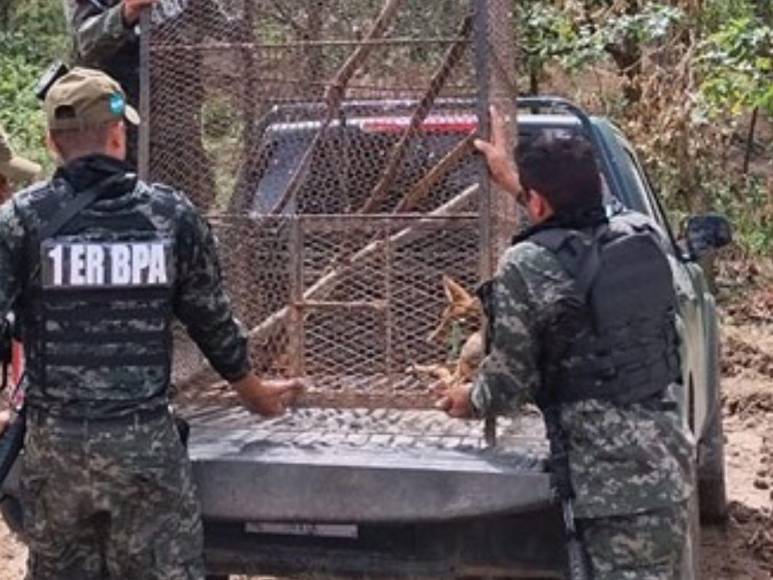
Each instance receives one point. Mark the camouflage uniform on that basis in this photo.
(107, 485)
(109, 500)
(104, 42)
(630, 465)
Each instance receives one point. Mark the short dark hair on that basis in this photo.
(563, 170)
(74, 143)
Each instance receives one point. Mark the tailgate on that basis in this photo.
(361, 466)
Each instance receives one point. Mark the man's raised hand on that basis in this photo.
(498, 155)
(131, 10)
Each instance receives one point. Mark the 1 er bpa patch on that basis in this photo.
(98, 265)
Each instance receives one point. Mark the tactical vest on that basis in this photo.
(98, 317)
(616, 337)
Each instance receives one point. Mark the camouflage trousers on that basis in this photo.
(104, 500)
(647, 546)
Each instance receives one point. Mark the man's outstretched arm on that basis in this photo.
(202, 305)
(509, 375)
(99, 29)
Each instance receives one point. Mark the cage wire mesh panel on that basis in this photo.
(330, 144)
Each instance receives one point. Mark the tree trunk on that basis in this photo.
(627, 55)
(747, 159)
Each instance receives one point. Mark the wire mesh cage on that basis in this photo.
(331, 145)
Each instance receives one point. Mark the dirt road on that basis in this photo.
(743, 550)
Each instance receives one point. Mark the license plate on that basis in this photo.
(301, 529)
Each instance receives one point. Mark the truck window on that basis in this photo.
(648, 194)
(348, 163)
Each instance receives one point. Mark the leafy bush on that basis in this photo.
(737, 63)
(33, 37)
(678, 79)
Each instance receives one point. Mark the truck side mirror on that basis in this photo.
(705, 233)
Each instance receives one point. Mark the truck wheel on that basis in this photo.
(711, 473)
(13, 515)
(691, 562)
(711, 448)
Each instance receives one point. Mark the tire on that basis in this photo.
(691, 562)
(13, 515)
(712, 490)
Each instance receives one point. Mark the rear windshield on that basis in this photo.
(348, 163)
(346, 166)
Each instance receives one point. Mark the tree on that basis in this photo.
(676, 75)
(737, 65)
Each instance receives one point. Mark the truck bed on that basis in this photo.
(363, 465)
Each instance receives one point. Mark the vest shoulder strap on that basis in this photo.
(579, 254)
(61, 218)
(54, 223)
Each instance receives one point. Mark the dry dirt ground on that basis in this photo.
(743, 549)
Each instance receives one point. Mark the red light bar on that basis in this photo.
(445, 126)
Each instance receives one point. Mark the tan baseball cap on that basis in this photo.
(15, 168)
(85, 98)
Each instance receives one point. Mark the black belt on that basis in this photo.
(127, 420)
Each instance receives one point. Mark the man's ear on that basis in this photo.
(117, 137)
(540, 205)
(53, 149)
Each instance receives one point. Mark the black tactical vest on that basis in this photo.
(616, 339)
(97, 328)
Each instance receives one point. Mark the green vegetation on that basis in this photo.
(31, 37)
(682, 78)
(737, 65)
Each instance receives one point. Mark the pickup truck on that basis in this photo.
(353, 484)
